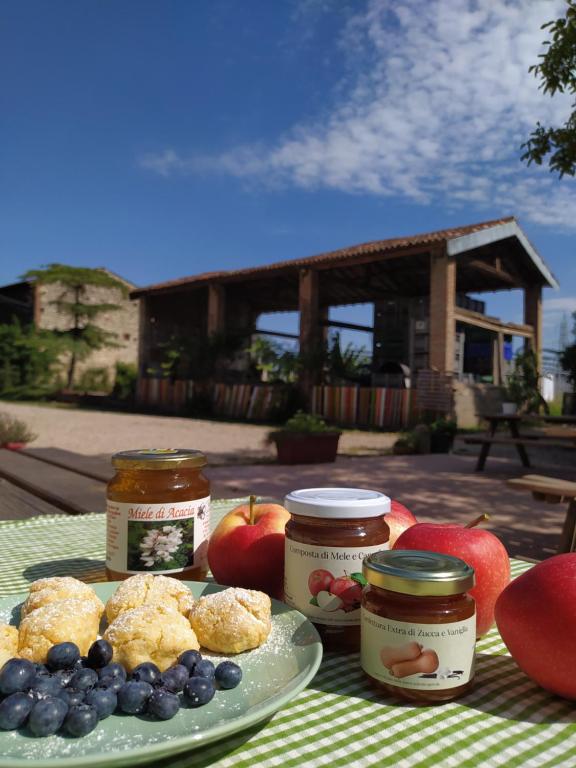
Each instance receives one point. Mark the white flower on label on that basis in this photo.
(328, 602)
(159, 545)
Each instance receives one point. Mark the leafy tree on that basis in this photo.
(29, 358)
(568, 358)
(83, 336)
(557, 72)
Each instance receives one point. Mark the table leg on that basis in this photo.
(568, 535)
(520, 448)
(484, 451)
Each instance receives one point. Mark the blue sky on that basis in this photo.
(169, 137)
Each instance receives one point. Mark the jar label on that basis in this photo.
(157, 538)
(419, 656)
(325, 583)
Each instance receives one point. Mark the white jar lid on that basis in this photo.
(338, 503)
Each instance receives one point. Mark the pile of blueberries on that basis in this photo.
(70, 693)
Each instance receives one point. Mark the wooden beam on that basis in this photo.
(533, 316)
(261, 332)
(442, 315)
(497, 272)
(491, 323)
(216, 308)
(347, 326)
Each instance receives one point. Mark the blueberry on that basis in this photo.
(14, 710)
(72, 696)
(189, 659)
(110, 684)
(82, 663)
(228, 674)
(84, 679)
(47, 716)
(80, 720)
(104, 701)
(198, 691)
(65, 675)
(16, 675)
(113, 670)
(100, 654)
(46, 685)
(146, 673)
(174, 678)
(63, 655)
(163, 704)
(41, 669)
(133, 696)
(204, 668)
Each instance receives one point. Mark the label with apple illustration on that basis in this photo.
(418, 656)
(325, 583)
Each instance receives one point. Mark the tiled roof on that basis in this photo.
(375, 246)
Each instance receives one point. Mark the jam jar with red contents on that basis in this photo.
(158, 514)
(330, 532)
(418, 625)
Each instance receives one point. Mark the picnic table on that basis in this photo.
(552, 437)
(338, 720)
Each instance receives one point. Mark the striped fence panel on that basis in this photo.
(380, 407)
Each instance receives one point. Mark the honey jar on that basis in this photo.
(330, 532)
(158, 514)
(418, 625)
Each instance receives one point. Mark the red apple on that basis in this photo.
(246, 548)
(537, 621)
(398, 519)
(319, 580)
(480, 549)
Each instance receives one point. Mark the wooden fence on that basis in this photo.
(381, 407)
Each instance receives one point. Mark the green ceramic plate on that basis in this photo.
(272, 675)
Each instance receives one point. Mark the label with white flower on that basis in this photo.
(157, 538)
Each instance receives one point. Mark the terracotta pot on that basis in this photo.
(14, 446)
(306, 447)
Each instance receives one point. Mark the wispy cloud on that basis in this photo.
(438, 101)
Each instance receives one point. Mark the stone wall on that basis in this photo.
(472, 399)
(123, 322)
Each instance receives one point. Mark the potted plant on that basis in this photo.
(14, 433)
(522, 391)
(442, 434)
(305, 439)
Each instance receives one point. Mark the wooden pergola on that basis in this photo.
(485, 257)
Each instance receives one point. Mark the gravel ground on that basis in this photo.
(94, 433)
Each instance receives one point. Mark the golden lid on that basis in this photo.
(415, 572)
(159, 458)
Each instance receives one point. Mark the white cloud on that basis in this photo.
(438, 101)
(566, 304)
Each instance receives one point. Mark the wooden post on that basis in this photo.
(497, 359)
(216, 309)
(442, 323)
(309, 325)
(533, 317)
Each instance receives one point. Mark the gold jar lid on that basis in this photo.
(159, 458)
(415, 572)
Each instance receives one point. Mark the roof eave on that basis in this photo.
(490, 235)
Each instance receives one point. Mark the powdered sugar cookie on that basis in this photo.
(75, 621)
(147, 589)
(46, 591)
(8, 643)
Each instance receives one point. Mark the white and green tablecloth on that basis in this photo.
(338, 720)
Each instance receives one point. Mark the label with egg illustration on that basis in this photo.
(325, 583)
(419, 656)
(157, 538)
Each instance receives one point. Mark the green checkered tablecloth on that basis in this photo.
(338, 720)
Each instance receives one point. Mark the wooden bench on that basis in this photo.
(553, 491)
(486, 441)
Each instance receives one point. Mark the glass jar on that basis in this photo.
(418, 625)
(330, 533)
(158, 514)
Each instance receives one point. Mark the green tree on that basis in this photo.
(83, 336)
(557, 73)
(29, 358)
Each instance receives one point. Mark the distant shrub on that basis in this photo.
(94, 380)
(125, 381)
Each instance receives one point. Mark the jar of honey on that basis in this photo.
(418, 625)
(158, 514)
(330, 532)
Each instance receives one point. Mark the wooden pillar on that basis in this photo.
(309, 326)
(533, 317)
(216, 309)
(498, 359)
(442, 324)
